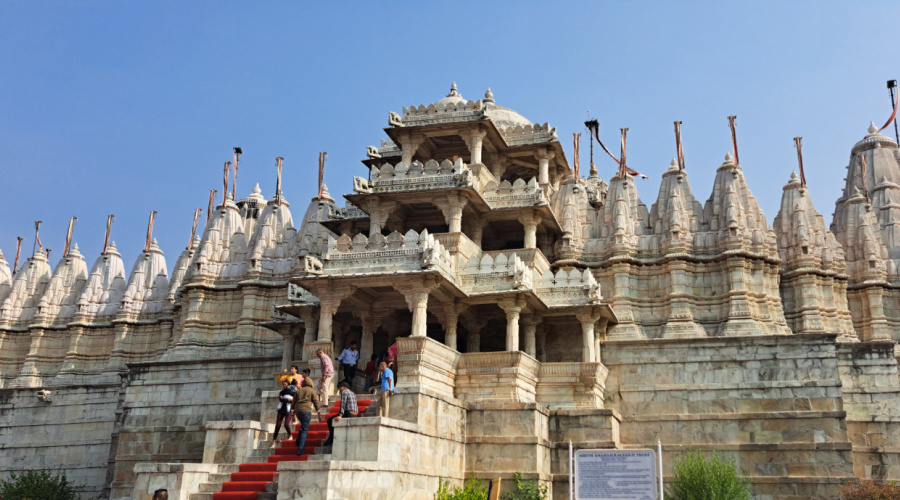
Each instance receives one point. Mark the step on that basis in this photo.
(235, 495)
(320, 457)
(228, 468)
(219, 478)
(201, 496)
(253, 476)
(210, 487)
(259, 467)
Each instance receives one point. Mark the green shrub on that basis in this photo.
(473, 489)
(37, 485)
(870, 490)
(526, 490)
(698, 479)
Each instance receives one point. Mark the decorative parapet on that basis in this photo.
(495, 273)
(523, 135)
(450, 112)
(568, 288)
(512, 195)
(415, 177)
(378, 254)
(572, 385)
(497, 376)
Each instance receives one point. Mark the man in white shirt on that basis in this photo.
(348, 359)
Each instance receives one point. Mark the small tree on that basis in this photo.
(473, 489)
(37, 485)
(526, 490)
(698, 479)
(870, 490)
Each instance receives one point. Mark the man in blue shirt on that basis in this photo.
(387, 390)
(348, 359)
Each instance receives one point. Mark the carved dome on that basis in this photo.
(503, 118)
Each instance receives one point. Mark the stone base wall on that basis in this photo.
(167, 405)
(72, 432)
(773, 404)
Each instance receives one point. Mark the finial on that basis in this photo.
(325, 195)
(794, 176)
(489, 96)
(673, 165)
(593, 171)
(872, 128)
(453, 92)
(257, 190)
(728, 158)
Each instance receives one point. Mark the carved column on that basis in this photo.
(542, 343)
(531, 322)
(498, 166)
(530, 221)
(474, 140)
(452, 208)
(450, 322)
(311, 325)
(416, 295)
(588, 319)
(543, 157)
(409, 144)
(474, 229)
(379, 212)
(599, 337)
(371, 320)
(512, 310)
(474, 325)
(331, 301)
(288, 355)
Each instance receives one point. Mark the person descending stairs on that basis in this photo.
(254, 478)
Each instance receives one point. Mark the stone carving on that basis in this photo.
(312, 265)
(519, 135)
(44, 396)
(297, 293)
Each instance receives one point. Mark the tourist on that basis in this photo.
(371, 368)
(387, 390)
(293, 375)
(161, 494)
(348, 359)
(348, 409)
(306, 400)
(285, 406)
(392, 357)
(324, 386)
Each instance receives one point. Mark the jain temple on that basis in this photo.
(531, 307)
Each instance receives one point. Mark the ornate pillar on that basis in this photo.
(531, 321)
(542, 343)
(512, 310)
(310, 327)
(474, 140)
(543, 157)
(588, 319)
(371, 320)
(452, 208)
(530, 221)
(498, 166)
(474, 228)
(416, 295)
(474, 325)
(379, 212)
(288, 355)
(599, 337)
(331, 299)
(451, 320)
(409, 144)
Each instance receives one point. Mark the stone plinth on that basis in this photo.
(180, 479)
(497, 376)
(376, 458)
(231, 442)
(426, 363)
(572, 385)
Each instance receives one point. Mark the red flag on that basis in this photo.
(800, 159)
(679, 151)
(576, 137)
(194, 228)
(731, 120)
(893, 115)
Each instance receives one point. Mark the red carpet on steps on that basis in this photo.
(253, 478)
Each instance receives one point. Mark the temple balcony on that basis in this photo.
(396, 253)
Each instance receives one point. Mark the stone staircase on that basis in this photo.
(257, 479)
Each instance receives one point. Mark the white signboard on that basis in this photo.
(616, 475)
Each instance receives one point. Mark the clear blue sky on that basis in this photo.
(127, 107)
